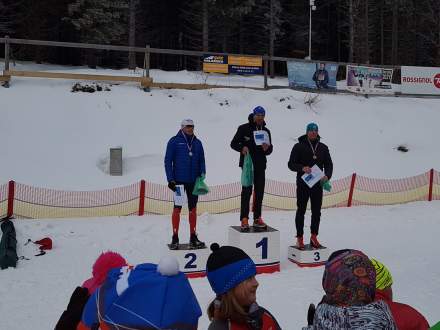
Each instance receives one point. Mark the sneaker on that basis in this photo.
(259, 225)
(174, 242)
(194, 242)
(314, 241)
(244, 225)
(300, 242)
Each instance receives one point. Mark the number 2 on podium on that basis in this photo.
(263, 245)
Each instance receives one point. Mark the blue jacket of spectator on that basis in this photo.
(180, 166)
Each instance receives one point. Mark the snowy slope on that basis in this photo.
(55, 138)
(35, 294)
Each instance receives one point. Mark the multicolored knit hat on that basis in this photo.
(383, 276)
(349, 279)
(227, 267)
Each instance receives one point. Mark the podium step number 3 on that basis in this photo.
(263, 247)
(192, 261)
(309, 257)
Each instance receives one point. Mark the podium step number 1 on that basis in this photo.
(262, 246)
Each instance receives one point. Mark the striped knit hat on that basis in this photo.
(383, 276)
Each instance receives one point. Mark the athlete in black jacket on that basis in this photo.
(244, 142)
(307, 152)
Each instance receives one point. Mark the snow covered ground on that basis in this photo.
(58, 139)
(34, 294)
(51, 137)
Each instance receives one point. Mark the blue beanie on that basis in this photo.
(312, 127)
(259, 111)
(143, 297)
(227, 267)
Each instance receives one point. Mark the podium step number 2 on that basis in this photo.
(263, 247)
(192, 261)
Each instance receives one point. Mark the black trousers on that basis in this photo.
(192, 199)
(303, 193)
(246, 193)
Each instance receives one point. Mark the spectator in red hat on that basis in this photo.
(72, 315)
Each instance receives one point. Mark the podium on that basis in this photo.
(309, 257)
(192, 261)
(262, 246)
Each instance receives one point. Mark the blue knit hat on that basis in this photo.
(227, 267)
(259, 111)
(311, 127)
(145, 296)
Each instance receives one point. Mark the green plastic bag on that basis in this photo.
(326, 185)
(200, 187)
(247, 173)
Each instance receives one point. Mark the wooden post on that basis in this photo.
(266, 64)
(7, 53)
(350, 194)
(431, 183)
(142, 199)
(11, 194)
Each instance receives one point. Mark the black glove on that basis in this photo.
(172, 185)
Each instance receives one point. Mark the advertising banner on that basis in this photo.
(420, 80)
(312, 75)
(233, 64)
(368, 80)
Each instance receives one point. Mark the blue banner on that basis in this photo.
(313, 75)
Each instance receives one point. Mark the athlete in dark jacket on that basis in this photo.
(245, 143)
(307, 152)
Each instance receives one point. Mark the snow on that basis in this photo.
(54, 138)
(402, 237)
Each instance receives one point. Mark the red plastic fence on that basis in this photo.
(352, 190)
(3, 200)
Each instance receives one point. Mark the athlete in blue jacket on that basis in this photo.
(184, 162)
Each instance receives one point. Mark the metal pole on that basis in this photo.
(147, 61)
(7, 53)
(310, 33)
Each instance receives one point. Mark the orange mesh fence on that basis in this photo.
(436, 186)
(32, 202)
(390, 191)
(3, 200)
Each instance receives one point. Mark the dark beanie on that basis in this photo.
(227, 267)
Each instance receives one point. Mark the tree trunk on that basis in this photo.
(132, 34)
(205, 25)
(350, 31)
(395, 32)
(367, 30)
(271, 39)
(382, 4)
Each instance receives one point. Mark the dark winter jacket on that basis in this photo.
(244, 137)
(375, 315)
(258, 319)
(323, 83)
(406, 317)
(71, 317)
(302, 155)
(179, 165)
(8, 244)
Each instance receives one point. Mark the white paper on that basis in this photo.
(179, 195)
(312, 178)
(261, 137)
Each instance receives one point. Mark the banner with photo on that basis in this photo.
(368, 80)
(420, 80)
(312, 75)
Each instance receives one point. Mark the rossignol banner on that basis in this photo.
(419, 80)
(233, 64)
(368, 80)
(312, 75)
